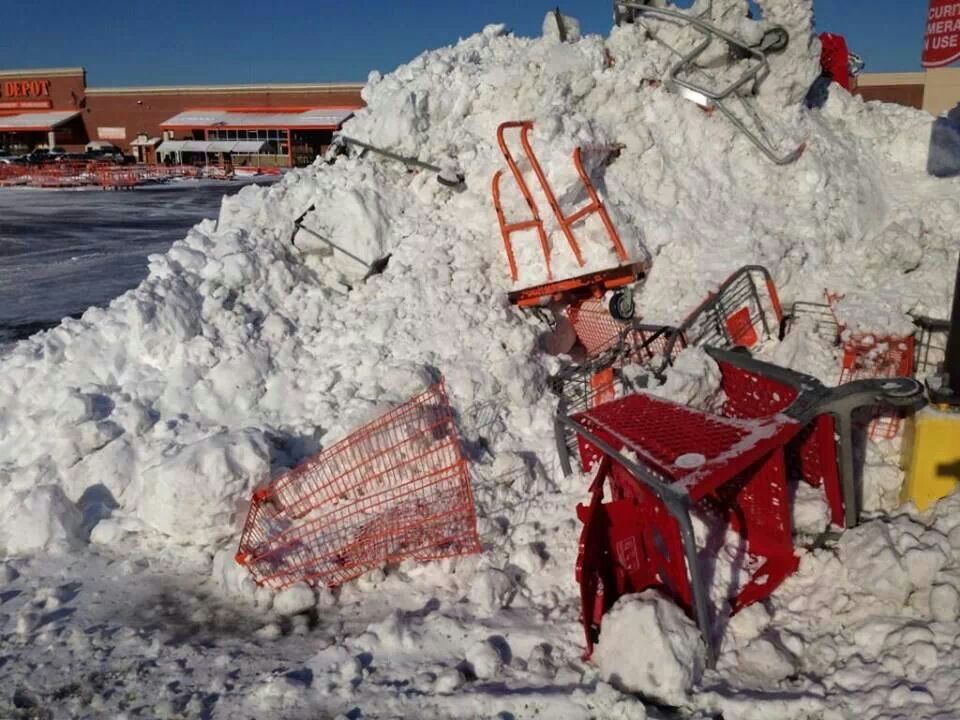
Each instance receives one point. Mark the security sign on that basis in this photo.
(941, 44)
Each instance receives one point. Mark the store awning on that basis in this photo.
(144, 142)
(213, 146)
(313, 119)
(36, 121)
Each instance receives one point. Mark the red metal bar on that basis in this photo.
(506, 229)
(525, 129)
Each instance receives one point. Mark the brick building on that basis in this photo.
(273, 125)
(934, 90)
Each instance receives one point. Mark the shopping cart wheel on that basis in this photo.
(775, 40)
(622, 306)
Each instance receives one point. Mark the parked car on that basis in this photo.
(105, 153)
(43, 155)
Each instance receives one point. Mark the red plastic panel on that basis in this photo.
(752, 395)
(740, 327)
(685, 446)
(868, 356)
(603, 387)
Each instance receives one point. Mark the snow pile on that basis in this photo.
(861, 313)
(649, 646)
(238, 351)
(244, 352)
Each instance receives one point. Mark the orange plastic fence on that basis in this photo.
(397, 488)
(87, 174)
(565, 222)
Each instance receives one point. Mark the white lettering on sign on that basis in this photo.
(941, 43)
(112, 133)
(945, 11)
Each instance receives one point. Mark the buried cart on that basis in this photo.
(665, 463)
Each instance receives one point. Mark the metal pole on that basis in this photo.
(951, 364)
(701, 604)
(408, 161)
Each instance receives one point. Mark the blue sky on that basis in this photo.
(133, 42)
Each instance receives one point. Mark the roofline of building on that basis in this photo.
(43, 72)
(227, 89)
(888, 79)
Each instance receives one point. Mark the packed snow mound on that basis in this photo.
(649, 646)
(239, 460)
(237, 330)
(244, 351)
(694, 380)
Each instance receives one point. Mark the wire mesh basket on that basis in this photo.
(597, 330)
(931, 345)
(397, 488)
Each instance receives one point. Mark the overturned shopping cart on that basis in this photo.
(689, 79)
(395, 489)
(658, 464)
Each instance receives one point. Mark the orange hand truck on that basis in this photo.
(586, 285)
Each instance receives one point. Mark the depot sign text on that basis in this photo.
(941, 44)
(25, 88)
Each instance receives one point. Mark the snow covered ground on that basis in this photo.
(63, 251)
(131, 438)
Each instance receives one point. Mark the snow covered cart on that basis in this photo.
(874, 355)
(744, 311)
(716, 93)
(397, 488)
(664, 463)
(601, 378)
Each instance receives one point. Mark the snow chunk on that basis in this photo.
(231, 577)
(198, 492)
(485, 659)
(648, 645)
(42, 518)
(295, 599)
(944, 603)
(447, 682)
(492, 590)
(694, 380)
(551, 30)
(873, 564)
(763, 662)
(811, 512)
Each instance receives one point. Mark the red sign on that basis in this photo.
(26, 88)
(941, 44)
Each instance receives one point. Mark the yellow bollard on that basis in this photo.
(931, 449)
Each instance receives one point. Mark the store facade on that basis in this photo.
(54, 108)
